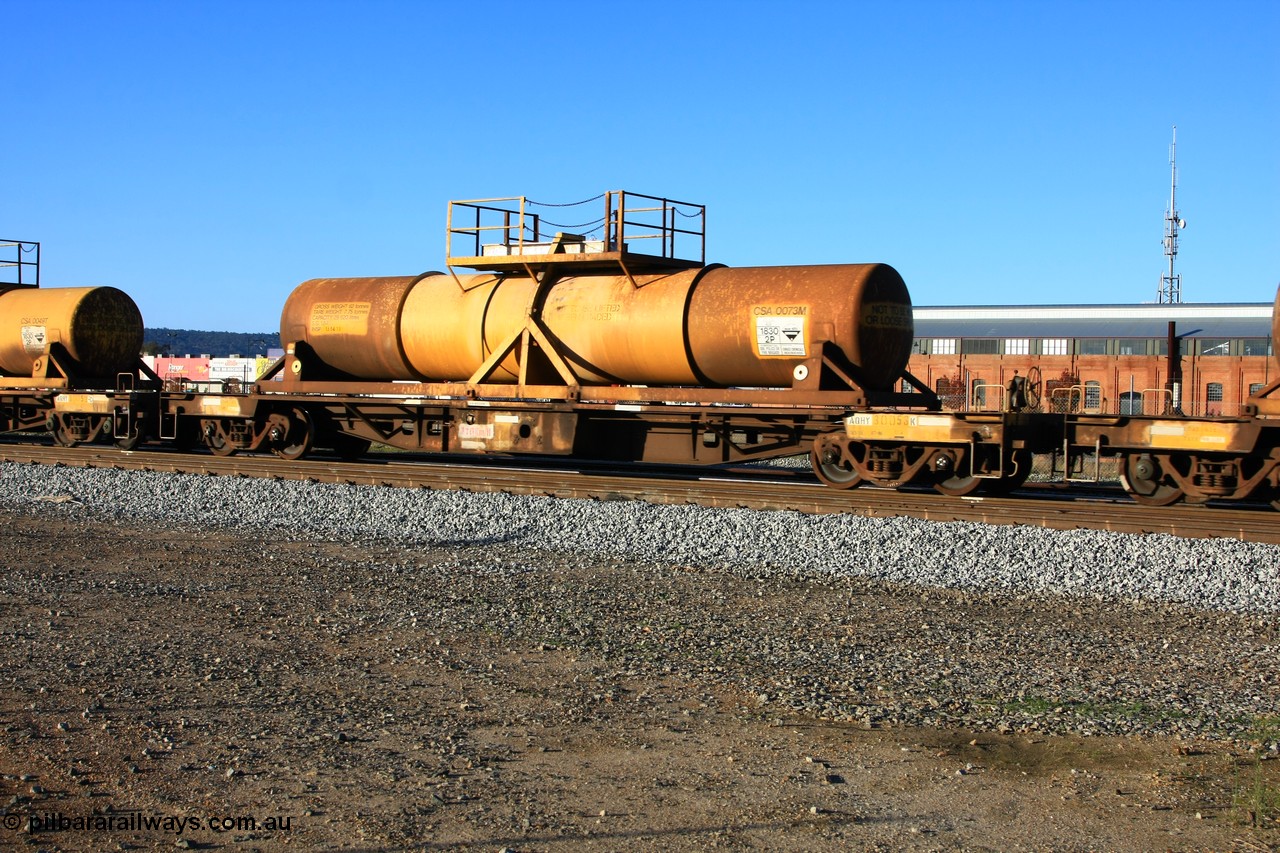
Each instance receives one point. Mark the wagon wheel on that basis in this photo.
(63, 436)
(215, 438)
(832, 469)
(299, 437)
(958, 487)
(1032, 388)
(1147, 482)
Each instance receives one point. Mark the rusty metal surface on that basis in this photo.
(751, 326)
(721, 488)
(780, 399)
(624, 329)
(351, 324)
(925, 428)
(99, 327)
(507, 432)
(1267, 403)
(450, 325)
(715, 326)
(1219, 435)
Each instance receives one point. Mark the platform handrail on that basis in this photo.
(627, 218)
(16, 262)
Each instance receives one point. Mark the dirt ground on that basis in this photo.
(220, 691)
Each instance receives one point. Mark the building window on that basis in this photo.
(1131, 346)
(1255, 387)
(1054, 346)
(1213, 392)
(1093, 346)
(907, 387)
(1092, 396)
(1131, 403)
(944, 346)
(1255, 346)
(979, 396)
(1017, 346)
(980, 346)
(1215, 346)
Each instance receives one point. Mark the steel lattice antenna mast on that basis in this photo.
(1170, 284)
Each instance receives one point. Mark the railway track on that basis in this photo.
(749, 488)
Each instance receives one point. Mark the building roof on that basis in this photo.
(1194, 320)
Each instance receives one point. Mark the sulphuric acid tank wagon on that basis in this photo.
(619, 343)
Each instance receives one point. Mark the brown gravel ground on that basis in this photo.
(158, 675)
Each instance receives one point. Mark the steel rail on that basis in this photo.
(739, 487)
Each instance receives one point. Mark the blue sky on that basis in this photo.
(208, 157)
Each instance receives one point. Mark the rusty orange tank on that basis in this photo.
(711, 326)
(99, 327)
(352, 324)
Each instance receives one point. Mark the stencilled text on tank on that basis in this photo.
(780, 330)
(602, 312)
(887, 315)
(340, 318)
(473, 432)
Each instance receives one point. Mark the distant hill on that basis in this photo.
(179, 342)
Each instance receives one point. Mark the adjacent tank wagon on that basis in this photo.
(72, 332)
(69, 362)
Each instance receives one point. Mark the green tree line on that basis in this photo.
(180, 342)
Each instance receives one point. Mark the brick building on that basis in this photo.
(1097, 358)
